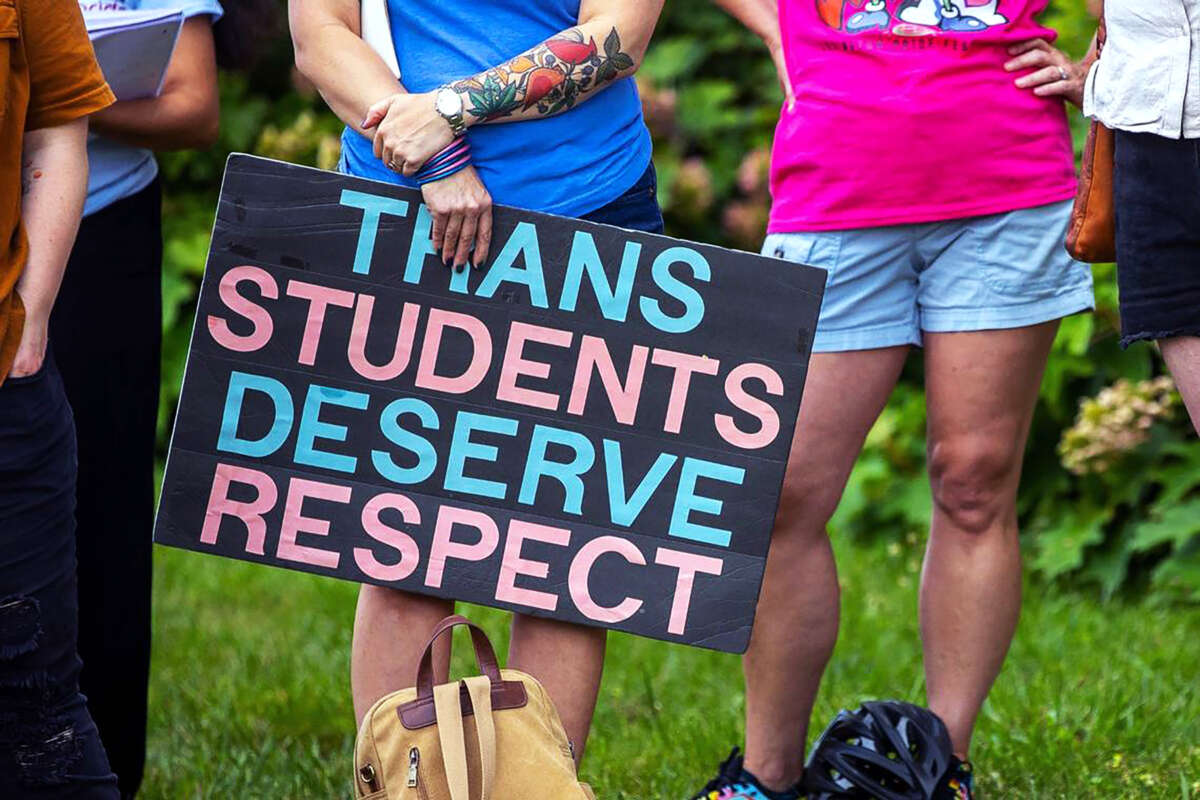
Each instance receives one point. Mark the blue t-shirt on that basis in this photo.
(116, 170)
(571, 163)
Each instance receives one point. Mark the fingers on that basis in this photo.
(25, 364)
(461, 232)
(383, 146)
(1065, 89)
(386, 156)
(376, 113)
(385, 150)
(404, 133)
(438, 230)
(1027, 45)
(391, 149)
(466, 239)
(1043, 77)
(450, 240)
(483, 236)
(1031, 59)
(384, 139)
(393, 161)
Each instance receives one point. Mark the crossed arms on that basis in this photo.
(607, 43)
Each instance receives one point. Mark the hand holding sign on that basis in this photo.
(593, 428)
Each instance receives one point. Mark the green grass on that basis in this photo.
(250, 693)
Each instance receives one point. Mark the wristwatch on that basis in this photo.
(449, 105)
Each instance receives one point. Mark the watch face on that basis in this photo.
(448, 103)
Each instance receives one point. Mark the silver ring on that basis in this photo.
(1063, 74)
(392, 166)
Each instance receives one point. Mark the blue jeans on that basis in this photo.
(637, 209)
(49, 747)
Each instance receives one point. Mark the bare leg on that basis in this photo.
(797, 621)
(1183, 359)
(567, 660)
(981, 389)
(391, 628)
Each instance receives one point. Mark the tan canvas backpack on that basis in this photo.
(494, 736)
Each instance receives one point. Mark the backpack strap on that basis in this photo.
(450, 734)
(480, 690)
(485, 655)
(450, 723)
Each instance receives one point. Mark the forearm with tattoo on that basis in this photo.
(550, 78)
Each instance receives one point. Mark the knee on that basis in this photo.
(974, 481)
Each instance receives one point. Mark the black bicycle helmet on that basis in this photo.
(884, 750)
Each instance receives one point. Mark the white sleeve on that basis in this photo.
(377, 32)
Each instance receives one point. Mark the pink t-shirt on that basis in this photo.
(904, 114)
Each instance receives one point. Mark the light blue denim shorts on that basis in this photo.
(887, 285)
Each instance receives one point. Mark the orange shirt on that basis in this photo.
(48, 76)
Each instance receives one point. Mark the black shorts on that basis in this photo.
(1156, 188)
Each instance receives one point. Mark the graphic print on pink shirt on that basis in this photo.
(911, 17)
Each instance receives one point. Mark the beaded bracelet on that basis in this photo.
(452, 158)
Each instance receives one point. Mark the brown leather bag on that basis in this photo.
(495, 736)
(1092, 234)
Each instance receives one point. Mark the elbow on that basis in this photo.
(201, 131)
(632, 52)
(303, 58)
(631, 67)
(195, 132)
(208, 132)
(633, 59)
(206, 122)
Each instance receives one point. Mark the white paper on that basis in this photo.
(134, 48)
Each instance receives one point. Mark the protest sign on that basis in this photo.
(591, 427)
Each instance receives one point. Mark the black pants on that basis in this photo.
(48, 744)
(106, 332)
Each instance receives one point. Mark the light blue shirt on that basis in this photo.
(569, 164)
(118, 170)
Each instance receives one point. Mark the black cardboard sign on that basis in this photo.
(592, 427)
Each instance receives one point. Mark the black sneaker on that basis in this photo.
(734, 782)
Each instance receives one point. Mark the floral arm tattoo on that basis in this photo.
(552, 77)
